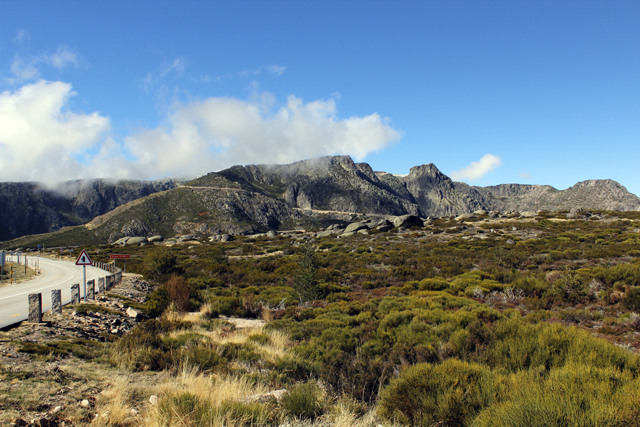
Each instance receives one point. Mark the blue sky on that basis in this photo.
(536, 92)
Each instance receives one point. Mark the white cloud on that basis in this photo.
(525, 175)
(211, 134)
(26, 69)
(40, 139)
(274, 70)
(176, 67)
(61, 58)
(21, 36)
(477, 170)
(23, 70)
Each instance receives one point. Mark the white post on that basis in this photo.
(84, 280)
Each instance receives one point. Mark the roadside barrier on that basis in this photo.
(104, 283)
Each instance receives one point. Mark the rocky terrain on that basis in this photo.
(307, 194)
(41, 352)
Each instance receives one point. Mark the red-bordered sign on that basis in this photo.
(84, 259)
(117, 256)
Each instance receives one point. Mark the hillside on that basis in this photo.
(306, 194)
(32, 208)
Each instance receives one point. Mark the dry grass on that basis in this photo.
(212, 390)
(276, 347)
(116, 407)
(191, 398)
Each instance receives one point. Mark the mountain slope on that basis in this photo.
(30, 208)
(309, 193)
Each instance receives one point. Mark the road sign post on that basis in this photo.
(84, 260)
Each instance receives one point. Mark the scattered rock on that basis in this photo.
(85, 403)
(385, 227)
(154, 239)
(136, 241)
(351, 233)
(272, 233)
(153, 399)
(356, 226)
(132, 313)
(464, 217)
(122, 241)
(408, 221)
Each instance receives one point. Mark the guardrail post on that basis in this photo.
(91, 289)
(100, 285)
(56, 301)
(75, 293)
(35, 308)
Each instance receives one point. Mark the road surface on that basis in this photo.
(14, 300)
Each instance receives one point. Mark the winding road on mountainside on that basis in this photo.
(14, 299)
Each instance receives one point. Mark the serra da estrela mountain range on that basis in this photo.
(257, 198)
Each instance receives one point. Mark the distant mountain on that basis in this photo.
(339, 184)
(309, 193)
(30, 208)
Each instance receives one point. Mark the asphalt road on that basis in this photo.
(14, 300)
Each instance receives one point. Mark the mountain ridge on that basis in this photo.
(309, 193)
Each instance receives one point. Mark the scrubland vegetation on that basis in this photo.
(534, 324)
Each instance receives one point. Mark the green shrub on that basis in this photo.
(160, 263)
(573, 396)
(304, 401)
(433, 284)
(449, 394)
(631, 299)
(521, 346)
(156, 303)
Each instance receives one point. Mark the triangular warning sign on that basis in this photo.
(84, 259)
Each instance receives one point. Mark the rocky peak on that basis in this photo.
(427, 172)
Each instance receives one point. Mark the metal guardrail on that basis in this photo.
(104, 283)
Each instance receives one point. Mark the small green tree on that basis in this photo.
(305, 282)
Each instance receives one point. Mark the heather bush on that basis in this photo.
(574, 395)
(448, 394)
(433, 284)
(304, 401)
